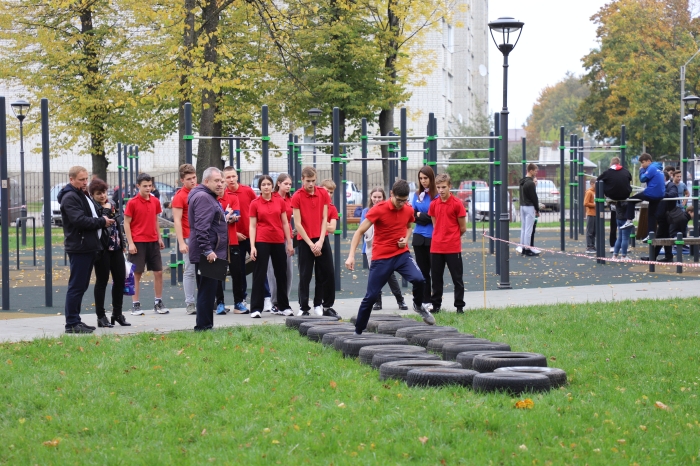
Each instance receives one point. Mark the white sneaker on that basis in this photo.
(191, 309)
(536, 251)
(255, 315)
(628, 224)
(318, 310)
(136, 309)
(612, 249)
(519, 249)
(287, 312)
(267, 306)
(428, 306)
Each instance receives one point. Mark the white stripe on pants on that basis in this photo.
(189, 281)
(273, 283)
(527, 220)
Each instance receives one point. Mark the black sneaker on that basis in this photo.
(403, 306)
(377, 306)
(79, 328)
(460, 310)
(329, 312)
(88, 326)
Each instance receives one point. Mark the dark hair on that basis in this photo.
(370, 203)
(645, 157)
(143, 177)
(263, 178)
(229, 168)
(282, 177)
(531, 167)
(676, 172)
(667, 176)
(97, 186)
(669, 168)
(401, 188)
(427, 171)
(186, 169)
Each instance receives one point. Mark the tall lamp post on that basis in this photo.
(507, 32)
(314, 113)
(21, 108)
(692, 101)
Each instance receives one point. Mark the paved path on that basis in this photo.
(52, 326)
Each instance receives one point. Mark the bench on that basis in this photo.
(670, 242)
(351, 214)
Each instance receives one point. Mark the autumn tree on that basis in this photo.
(633, 75)
(481, 126)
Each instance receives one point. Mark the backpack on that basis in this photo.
(358, 212)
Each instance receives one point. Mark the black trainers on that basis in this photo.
(79, 328)
(403, 306)
(377, 306)
(424, 313)
(460, 310)
(329, 312)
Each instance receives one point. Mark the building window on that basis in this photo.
(450, 86)
(450, 38)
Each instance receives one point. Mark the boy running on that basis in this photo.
(449, 224)
(180, 206)
(392, 226)
(145, 243)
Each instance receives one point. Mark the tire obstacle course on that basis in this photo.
(427, 356)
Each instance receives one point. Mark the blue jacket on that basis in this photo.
(656, 184)
(362, 219)
(424, 227)
(208, 227)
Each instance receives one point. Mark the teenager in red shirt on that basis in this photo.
(246, 195)
(449, 224)
(392, 226)
(180, 206)
(269, 233)
(145, 243)
(320, 279)
(230, 203)
(283, 186)
(311, 205)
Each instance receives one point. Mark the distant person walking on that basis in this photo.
(82, 228)
(529, 209)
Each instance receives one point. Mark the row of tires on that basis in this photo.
(432, 356)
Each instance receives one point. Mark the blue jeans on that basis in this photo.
(623, 237)
(379, 273)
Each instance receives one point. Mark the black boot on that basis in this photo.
(402, 304)
(103, 322)
(120, 320)
(378, 304)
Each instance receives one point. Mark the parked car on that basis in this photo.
(353, 193)
(548, 194)
(166, 206)
(165, 189)
(55, 206)
(15, 204)
(256, 179)
(464, 191)
(481, 205)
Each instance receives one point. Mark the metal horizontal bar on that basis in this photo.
(467, 137)
(464, 150)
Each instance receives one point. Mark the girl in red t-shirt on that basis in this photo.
(283, 186)
(269, 232)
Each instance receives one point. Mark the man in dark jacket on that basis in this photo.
(618, 186)
(663, 228)
(82, 228)
(529, 209)
(208, 238)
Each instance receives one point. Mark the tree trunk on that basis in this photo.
(386, 125)
(386, 116)
(205, 154)
(188, 41)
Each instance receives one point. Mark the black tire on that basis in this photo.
(423, 338)
(352, 346)
(451, 350)
(317, 332)
(367, 352)
(391, 356)
(557, 377)
(305, 326)
(514, 383)
(437, 377)
(409, 332)
(329, 338)
(466, 358)
(379, 317)
(435, 345)
(399, 369)
(339, 341)
(295, 321)
(490, 362)
(390, 328)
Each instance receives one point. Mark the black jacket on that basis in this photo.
(208, 227)
(528, 194)
(79, 226)
(616, 182)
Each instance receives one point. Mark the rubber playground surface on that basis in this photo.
(550, 269)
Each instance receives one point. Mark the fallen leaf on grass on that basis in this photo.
(275, 442)
(341, 405)
(660, 405)
(80, 348)
(423, 440)
(180, 352)
(527, 403)
(204, 431)
(52, 443)
(622, 441)
(333, 384)
(523, 447)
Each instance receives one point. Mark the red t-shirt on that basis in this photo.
(180, 202)
(332, 215)
(269, 221)
(143, 218)
(231, 200)
(311, 209)
(446, 235)
(389, 226)
(245, 195)
(290, 211)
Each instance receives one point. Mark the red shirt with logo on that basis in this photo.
(144, 227)
(290, 210)
(245, 195)
(311, 209)
(390, 225)
(269, 222)
(231, 200)
(332, 215)
(180, 202)
(447, 238)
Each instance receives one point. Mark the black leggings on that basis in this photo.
(266, 252)
(307, 264)
(422, 254)
(234, 268)
(109, 262)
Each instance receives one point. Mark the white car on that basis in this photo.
(481, 205)
(353, 193)
(56, 218)
(548, 194)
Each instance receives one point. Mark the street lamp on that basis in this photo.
(314, 113)
(507, 33)
(20, 108)
(692, 101)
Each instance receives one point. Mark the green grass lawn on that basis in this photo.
(265, 395)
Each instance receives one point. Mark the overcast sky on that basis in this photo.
(556, 35)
